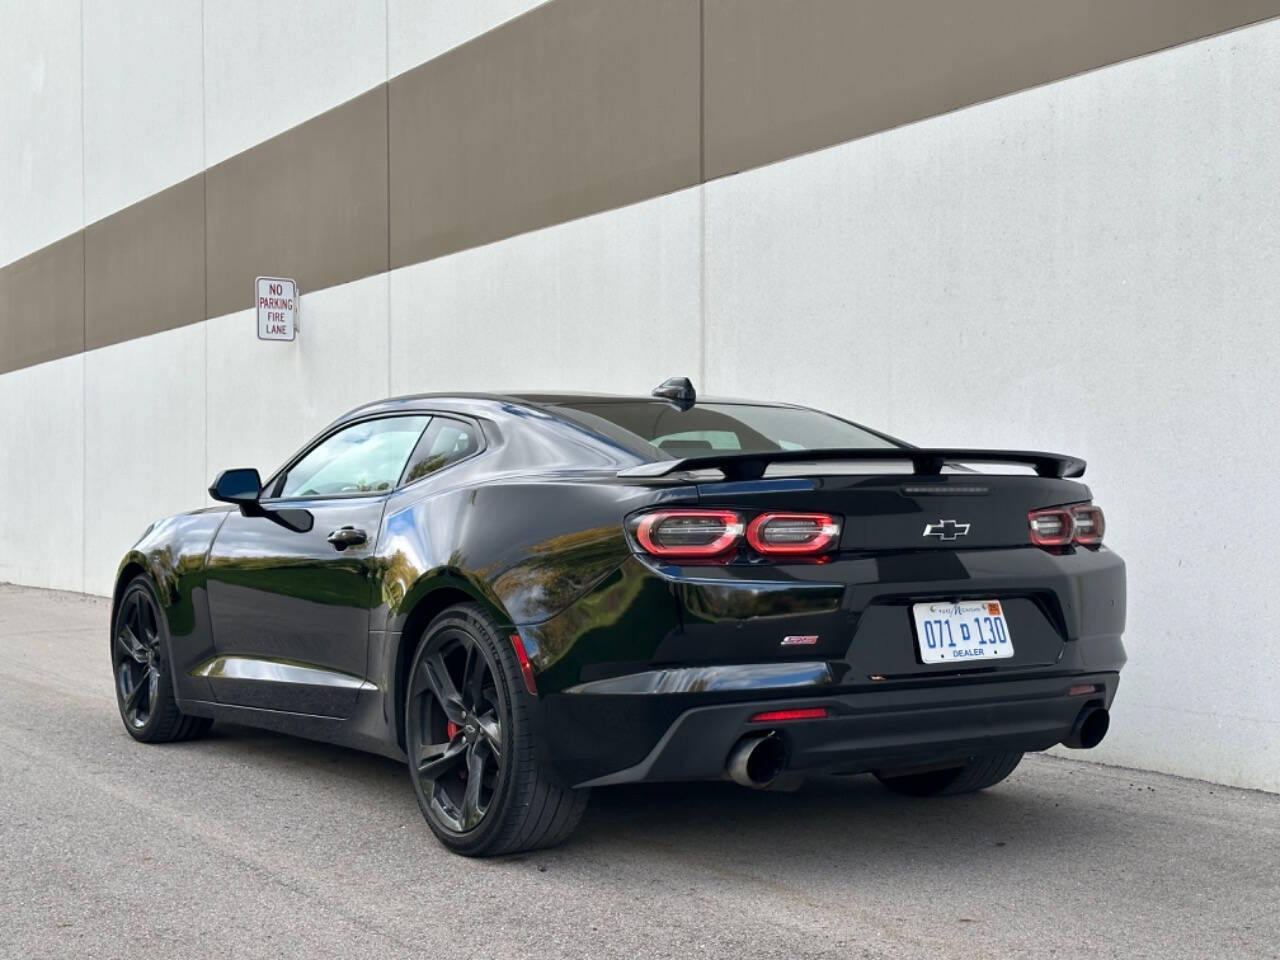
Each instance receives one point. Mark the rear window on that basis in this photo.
(659, 431)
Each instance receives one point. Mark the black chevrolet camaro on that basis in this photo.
(530, 595)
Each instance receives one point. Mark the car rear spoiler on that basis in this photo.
(927, 461)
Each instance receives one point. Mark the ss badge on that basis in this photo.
(807, 641)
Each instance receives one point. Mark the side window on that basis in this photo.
(446, 441)
(363, 458)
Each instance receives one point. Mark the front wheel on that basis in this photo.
(977, 773)
(140, 662)
(468, 735)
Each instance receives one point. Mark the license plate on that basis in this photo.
(967, 631)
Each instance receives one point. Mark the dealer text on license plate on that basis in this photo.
(966, 631)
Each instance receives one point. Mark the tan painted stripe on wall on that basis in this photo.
(576, 107)
(42, 305)
(786, 77)
(310, 204)
(580, 106)
(144, 267)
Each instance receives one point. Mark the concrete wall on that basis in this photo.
(1091, 267)
(1087, 266)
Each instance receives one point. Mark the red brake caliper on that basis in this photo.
(451, 730)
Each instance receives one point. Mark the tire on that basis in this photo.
(473, 758)
(140, 666)
(977, 773)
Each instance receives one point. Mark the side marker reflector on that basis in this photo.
(1080, 689)
(778, 716)
(526, 669)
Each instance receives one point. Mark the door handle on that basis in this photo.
(347, 537)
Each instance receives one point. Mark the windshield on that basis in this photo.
(658, 430)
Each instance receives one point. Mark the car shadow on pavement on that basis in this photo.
(834, 817)
(842, 819)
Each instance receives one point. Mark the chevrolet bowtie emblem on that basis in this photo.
(946, 529)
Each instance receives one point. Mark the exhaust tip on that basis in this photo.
(1089, 729)
(757, 760)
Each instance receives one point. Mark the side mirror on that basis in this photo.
(241, 486)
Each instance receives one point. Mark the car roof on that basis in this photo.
(572, 399)
(542, 398)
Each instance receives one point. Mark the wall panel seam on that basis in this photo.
(702, 91)
(204, 232)
(84, 327)
(702, 194)
(388, 106)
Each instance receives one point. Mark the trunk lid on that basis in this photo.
(907, 512)
(903, 498)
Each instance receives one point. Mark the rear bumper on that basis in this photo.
(874, 730)
(654, 673)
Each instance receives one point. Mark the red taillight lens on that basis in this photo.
(793, 533)
(1089, 523)
(689, 533)
(781, 716)
(1058, 526)
(1051, 528)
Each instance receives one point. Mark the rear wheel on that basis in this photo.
(472, 756)
(977, 773)
(140, 662)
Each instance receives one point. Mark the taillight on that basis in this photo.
(793, 533)
(689, 533)
(1051, 528)
(1090, 524)
(1059, 526)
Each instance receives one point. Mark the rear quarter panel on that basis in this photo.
(525, 547)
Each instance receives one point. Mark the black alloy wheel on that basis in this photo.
(470, 746)
(459, 747)
(137, 651)
(139, 658)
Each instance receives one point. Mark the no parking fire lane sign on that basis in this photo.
(277, 300)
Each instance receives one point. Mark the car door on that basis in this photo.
(290, 607)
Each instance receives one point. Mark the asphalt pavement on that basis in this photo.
(249, 844)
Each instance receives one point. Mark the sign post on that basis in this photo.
(277, 300)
